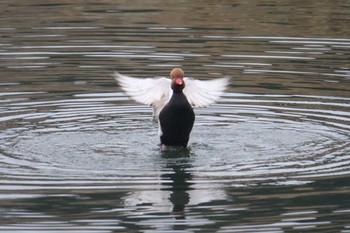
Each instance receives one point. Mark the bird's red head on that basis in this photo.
(177, 73)
(177, 81)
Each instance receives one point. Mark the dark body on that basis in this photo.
(176, 121)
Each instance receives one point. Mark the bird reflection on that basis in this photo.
(176, 190)
(178, 161)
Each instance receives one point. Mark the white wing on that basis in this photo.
(201, 93)
(151, 91)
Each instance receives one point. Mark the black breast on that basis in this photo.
(176, 121)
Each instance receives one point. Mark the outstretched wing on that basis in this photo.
(152, 91)
(201, 93)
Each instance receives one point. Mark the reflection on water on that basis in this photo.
(77, 155)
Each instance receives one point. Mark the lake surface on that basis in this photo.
(77, 155)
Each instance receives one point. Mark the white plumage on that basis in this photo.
(156, 92)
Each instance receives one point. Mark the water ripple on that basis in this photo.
(269, 139)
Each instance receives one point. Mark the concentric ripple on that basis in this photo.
(243, 140)
(94, 143)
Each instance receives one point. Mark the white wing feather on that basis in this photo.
(151, 91)
(157, 92)
(201, 93)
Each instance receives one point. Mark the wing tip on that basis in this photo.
(117, 76)
(227, 79)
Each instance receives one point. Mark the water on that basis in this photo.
(77, 155)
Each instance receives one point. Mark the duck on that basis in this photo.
(173, 100)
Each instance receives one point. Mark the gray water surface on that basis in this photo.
(77, 155)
